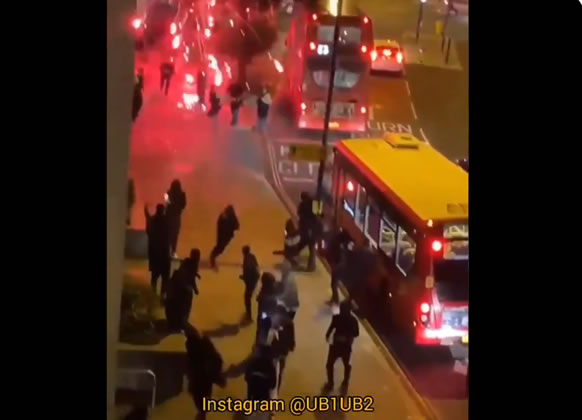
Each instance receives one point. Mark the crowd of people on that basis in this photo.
(236, 93)
(277, 300)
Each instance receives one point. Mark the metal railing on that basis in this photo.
(137, 380)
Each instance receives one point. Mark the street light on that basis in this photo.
(321, 170)
(419, 21)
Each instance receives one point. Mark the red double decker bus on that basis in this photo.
(308, 62)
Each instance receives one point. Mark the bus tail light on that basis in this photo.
(363, 110)
(436, 245)
(364, 49)
(312, 46)
(350, 186)
(303, 106)
(366, 20)
(314, 16)
(424, 308)
(399, 57)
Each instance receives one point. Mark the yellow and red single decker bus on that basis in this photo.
(410, 204)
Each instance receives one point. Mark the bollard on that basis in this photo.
(448, 51)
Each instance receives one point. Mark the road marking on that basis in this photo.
(407, 87)
(371, 112)
(424, 135)
(413, 110)
(385, 126)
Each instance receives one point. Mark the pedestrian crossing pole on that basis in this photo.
(319, 192)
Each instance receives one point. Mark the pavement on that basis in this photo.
(218, 165)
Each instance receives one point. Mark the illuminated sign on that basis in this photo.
(322, 49)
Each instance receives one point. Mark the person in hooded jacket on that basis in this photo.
(250, 276)
(261, 375)
(307, 227)
(204, 368)
(176, 202)
(226, 225)
(158, 247)
(267, 297)
(264, 102)
(181, 292)
(283, 341)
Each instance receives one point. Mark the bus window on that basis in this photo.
(350, 191)
(388, 236)
(373, 222)
(405, 251)
(361, 207)
(342, 79)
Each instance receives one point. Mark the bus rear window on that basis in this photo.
(342, 79)
(451, 280)
(349, 35)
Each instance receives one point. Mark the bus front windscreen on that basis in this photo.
(348, 35)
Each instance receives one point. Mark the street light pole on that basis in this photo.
(336, 29)
(419, 21)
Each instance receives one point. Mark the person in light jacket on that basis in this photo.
(288, 295)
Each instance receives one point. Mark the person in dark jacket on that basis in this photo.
(285, 343)
(192, 265)
(137, 101)
(226, 225)
(261, 375)
(139, 78)
(214, 102)
(250, 276)
(166, 73)
(176, 202)
(338, 272)
(307, 222)
(204, 368)
(130, 199)
(267, 297)
(345, 328)
(181, 292)
(158, 247)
